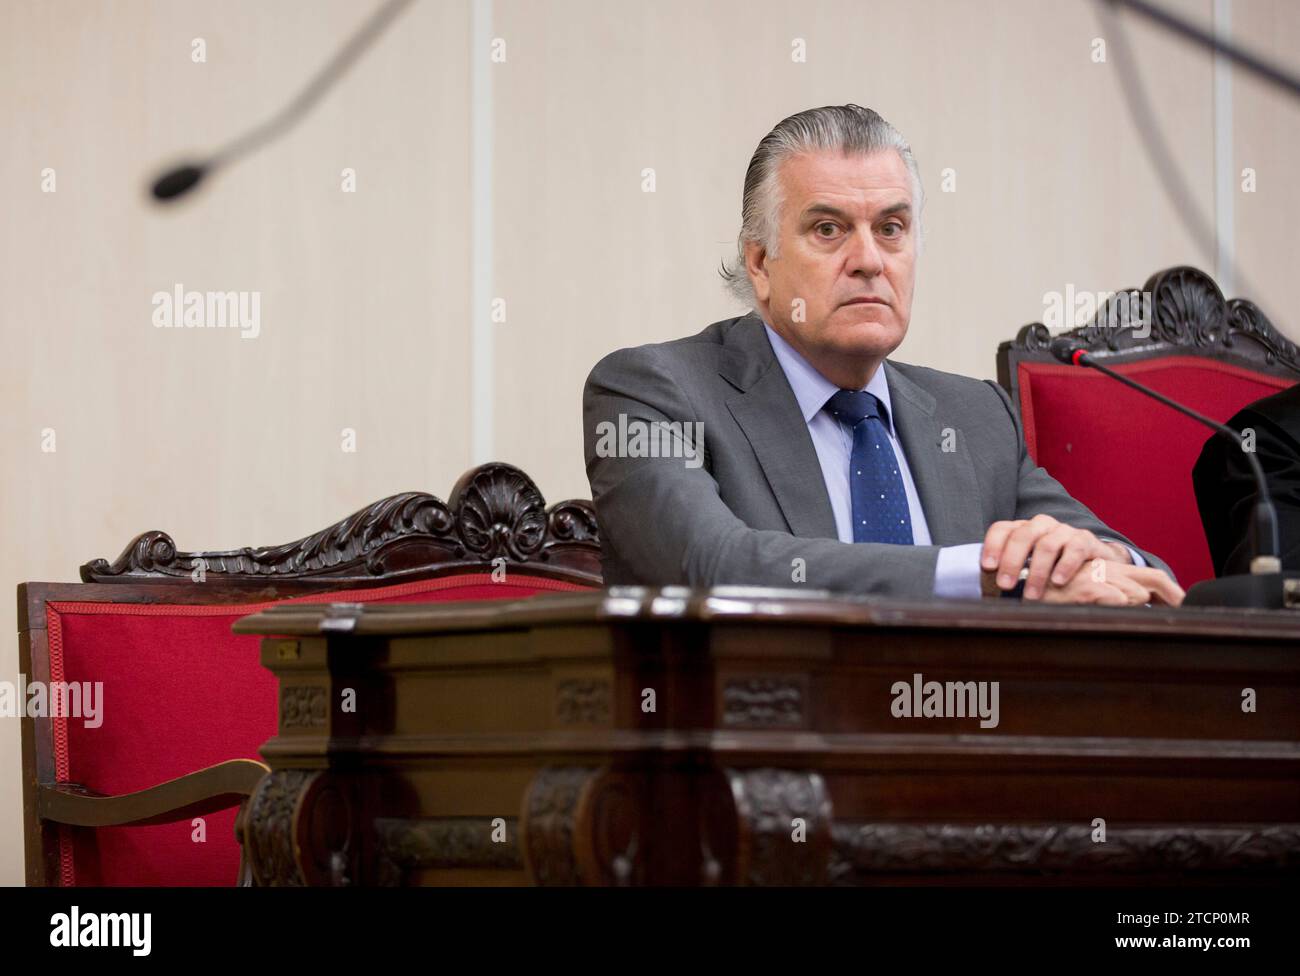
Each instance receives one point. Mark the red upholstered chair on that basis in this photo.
(1125, 456)
(186, 704)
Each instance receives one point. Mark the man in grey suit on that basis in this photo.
(783, 447)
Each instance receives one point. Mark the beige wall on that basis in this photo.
(367, 318)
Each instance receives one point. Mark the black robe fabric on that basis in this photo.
(1226, 491)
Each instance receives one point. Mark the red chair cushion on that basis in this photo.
(1128, 458)
(181, 692)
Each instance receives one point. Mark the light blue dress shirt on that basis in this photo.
(957, 571)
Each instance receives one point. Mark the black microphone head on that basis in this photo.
(177, 182)
(1063, 349)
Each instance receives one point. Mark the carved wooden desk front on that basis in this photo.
(765, 737)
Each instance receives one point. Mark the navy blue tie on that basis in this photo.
(880, 512)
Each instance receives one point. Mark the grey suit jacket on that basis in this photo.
(758, 503)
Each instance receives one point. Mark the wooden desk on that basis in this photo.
(640, 736)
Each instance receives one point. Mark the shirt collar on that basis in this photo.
(812, 389)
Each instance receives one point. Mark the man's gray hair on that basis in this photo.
(848, 129)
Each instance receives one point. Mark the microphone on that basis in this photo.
(178, 181)
(1264, 586)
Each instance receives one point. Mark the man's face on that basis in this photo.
(848, 250)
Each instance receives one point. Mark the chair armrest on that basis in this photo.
(194, 794)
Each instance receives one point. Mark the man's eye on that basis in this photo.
(894, 227)
(823, 224)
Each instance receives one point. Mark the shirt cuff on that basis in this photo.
(957, 572)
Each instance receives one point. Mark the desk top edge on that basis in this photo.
(751, 605)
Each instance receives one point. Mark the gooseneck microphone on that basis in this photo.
(180, 180)
(1263, 586)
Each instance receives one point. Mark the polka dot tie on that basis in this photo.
(880, 511)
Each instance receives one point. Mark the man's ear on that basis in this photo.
(756, 266)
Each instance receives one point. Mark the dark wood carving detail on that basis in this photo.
(616, 800)
(865, 849)
(302, 706)
(245, 877)
(444, 842)
(270, 826)
(764, 701)
(551, 811)
(496, 512)
(1188, 312)
(573, 522)
(768, 803)
(580, 702)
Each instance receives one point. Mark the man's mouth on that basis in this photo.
(870, 300)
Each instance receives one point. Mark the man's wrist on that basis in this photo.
(1121, 552)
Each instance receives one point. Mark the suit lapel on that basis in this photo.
(769, 416)
(945, 480)
(768, 413)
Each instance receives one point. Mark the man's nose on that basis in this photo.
(865, 257)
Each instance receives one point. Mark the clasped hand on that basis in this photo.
(1069, 565)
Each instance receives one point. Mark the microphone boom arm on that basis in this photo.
(1265, 515)
(181, 179)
